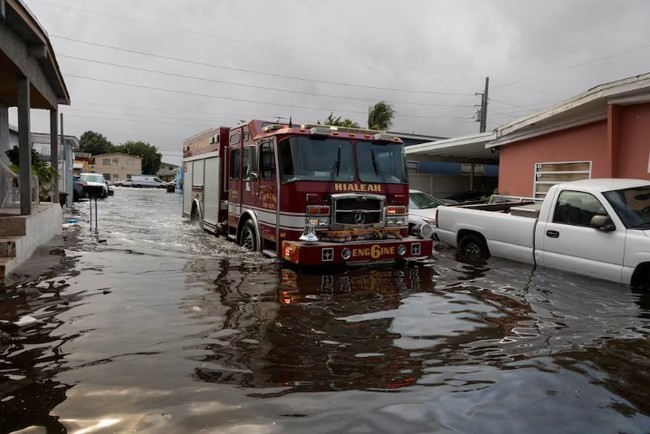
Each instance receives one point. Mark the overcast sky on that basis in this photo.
(161, 71)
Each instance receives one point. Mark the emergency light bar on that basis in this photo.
(330, 129)
(272, 127)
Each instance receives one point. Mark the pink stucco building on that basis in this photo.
(603, 132)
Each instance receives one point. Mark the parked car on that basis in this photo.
(422, 210)
(140, 181)
(78, 188)
(96, 185)
(595, 227)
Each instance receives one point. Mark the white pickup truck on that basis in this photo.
(595, 227)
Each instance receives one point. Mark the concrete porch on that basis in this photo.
(21, 234)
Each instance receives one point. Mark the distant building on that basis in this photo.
(116, 166)
(415, 139)
(167, 171)
(81, 162)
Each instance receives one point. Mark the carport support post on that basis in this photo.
(54, 152)
(471, 178)
(24, 153)
(4, 130)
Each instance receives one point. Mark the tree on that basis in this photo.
(151, 158)
(94, 143)
(380, 116)
(331, 120)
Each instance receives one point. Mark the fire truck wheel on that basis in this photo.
(248, 236)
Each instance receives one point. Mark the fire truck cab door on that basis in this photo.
(267, 189)
(249, 185)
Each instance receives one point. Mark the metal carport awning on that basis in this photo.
(466, 149)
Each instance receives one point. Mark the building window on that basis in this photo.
(549, 174)
(116, 177)
(129, 162)
(116, 161)
(106, 161)
(107, 176)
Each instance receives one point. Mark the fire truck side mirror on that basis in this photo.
(253, 176)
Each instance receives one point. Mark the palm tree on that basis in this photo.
(336, 121)
(380, 116)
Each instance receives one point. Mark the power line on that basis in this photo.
(235, 99)
(577, 65)
(211, 80)
(250, 71)
(230, 39)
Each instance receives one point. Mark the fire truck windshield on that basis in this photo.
(307, 159)
(381, 162)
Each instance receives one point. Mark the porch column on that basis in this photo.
(54, 152)
(25, 152)
(4, 142)
(4, 132)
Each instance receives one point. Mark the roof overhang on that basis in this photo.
(22, 29)
(587, 107)
(466, 149)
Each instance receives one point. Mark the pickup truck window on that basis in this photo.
(632, 206)
(577, 208)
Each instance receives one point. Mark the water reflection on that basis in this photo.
(394, 328)
(292, 333)
(31, 354)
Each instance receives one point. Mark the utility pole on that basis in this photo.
(484, 104)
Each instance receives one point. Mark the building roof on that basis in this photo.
(466, 149)
(110, 154)
(23, 22)
(589, 106)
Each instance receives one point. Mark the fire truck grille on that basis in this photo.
(358, 212)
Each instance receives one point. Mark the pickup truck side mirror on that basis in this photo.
(602, 223)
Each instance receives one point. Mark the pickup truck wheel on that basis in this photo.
(248, 236)
(473, 247)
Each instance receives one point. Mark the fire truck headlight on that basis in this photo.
(401, 250)
(396, 221)
(346, 253)
(319, 222)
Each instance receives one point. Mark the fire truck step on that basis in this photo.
(232, 237)
(270, 253)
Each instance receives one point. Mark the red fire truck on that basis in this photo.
(308, 194)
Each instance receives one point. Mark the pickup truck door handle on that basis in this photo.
(553, 234)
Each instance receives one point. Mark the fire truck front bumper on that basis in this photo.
(357, 252)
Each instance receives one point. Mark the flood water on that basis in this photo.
(151, 325)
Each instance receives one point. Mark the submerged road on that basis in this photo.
(151, 325)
